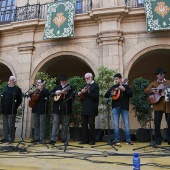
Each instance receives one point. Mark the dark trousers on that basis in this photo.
(157, 121)
(88, 135)
(9, 126)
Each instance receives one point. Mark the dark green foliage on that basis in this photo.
(105, 81)
(75, 118)
(141, 105)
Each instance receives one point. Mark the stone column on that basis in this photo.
(24, 67)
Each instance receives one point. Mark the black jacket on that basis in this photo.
(91, 101)
(11, 98)
(42, 104)
(59, 107)
(123, 101)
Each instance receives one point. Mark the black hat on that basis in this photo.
(159, 71)
(62, 77)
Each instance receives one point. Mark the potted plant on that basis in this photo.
(75, 118)
(141, 106)
(105, 81)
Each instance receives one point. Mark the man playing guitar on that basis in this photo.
(61, 110)
(120, 106)
(39, 111)
(161, 106)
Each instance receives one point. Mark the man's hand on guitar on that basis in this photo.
(64, 92)
(122, 88)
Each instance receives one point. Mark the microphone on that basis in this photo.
(33, 85)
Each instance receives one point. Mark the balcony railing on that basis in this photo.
(35, 11)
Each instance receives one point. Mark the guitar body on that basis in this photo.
(155, 98)
(60, 95)
(118, 91)
(83, 95)
(117, 95)
(34, 98)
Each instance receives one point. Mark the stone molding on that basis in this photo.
(26, 49)
(109, 37)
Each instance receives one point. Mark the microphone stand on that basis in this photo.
(24, 95)
(108, 124)
(66, 142)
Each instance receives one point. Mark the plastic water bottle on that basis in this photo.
(136, 162)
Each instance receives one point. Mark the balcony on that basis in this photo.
(29, 12)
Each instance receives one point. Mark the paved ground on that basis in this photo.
(40, 157)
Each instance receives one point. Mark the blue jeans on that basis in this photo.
(116, 116)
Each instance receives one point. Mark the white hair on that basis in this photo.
(89, 75)
(13, 78)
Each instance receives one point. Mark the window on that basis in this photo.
(7, 5)
(140, 3)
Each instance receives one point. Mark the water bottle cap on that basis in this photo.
(135, 154)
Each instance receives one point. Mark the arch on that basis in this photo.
(86, 55)
(10, 62)
(142, 48)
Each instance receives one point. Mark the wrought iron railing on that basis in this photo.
(35, 11)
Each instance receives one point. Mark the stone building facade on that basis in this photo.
(112, 34)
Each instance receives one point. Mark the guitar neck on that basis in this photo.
(165, 87)
(124, 81)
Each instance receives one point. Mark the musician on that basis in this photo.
(161, 106)
(11, 98)
(89, 109)
(62, 108)
(39, 111)
(120, 106)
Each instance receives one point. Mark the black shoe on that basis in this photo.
(158, 142)
(83, 142)
(10, 140)
(63, 140)
(35, 140)
(3, 140)
(42, 142)
(52, 142)
(92, 142)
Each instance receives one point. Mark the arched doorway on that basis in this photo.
(5, 73)
(66, 64)
(145, 65)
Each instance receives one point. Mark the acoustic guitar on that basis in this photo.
(83, 95)
(34, 98)
(118, 91)
(157, 93)
(60, 95)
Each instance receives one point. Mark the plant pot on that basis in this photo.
(111, 136)
(143, 135)
(75, 133)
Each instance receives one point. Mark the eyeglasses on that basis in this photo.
(38, 81)
(86, 78)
